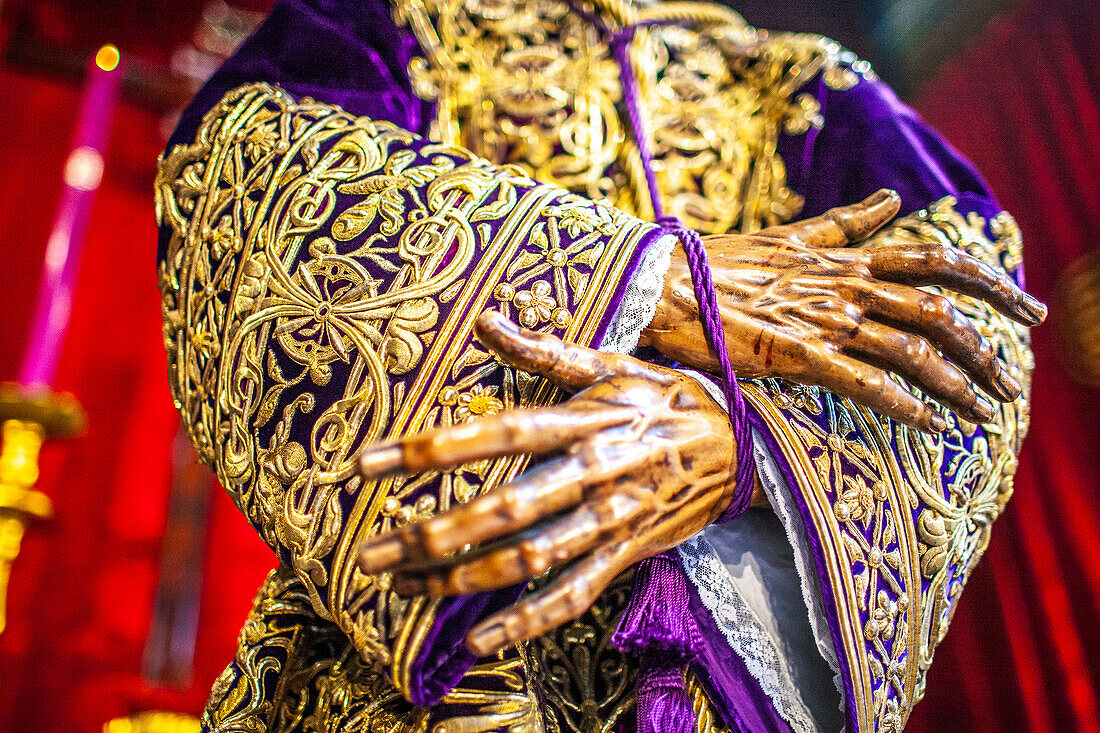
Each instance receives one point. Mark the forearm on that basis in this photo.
(320, 283)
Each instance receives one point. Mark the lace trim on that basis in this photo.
(639, 303)
(775, 486)
(743, 630)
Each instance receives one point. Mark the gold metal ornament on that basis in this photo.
(27, 418)
(157, 721)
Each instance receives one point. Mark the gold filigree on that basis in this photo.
(896, 581)
(535, 84)
(585, 685)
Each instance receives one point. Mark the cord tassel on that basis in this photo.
(658, 629)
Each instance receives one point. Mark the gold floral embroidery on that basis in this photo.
(294, 672)
(321, 280)
(585, 684)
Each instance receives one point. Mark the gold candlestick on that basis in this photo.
(27, 418)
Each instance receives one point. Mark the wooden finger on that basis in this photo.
(569, 366)
(525, 556)
(569, 596)
(931, 264)
(843, 225)
(913, 358)
(508, 509)
(514, 432)
(872, 387)
(935, 318)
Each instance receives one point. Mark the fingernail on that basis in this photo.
(937, 422)
(486, 640)
(1036, 308)
(1009, 388)
(882, 196)
(381, 460)
(982, 410)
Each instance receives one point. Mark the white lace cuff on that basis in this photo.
(639, 303)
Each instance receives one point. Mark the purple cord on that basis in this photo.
(657, 626)
(701, 279)
(703, 284)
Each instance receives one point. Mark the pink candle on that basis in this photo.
(83, 173)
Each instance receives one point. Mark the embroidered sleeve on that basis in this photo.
(321, 280)
(900, 517)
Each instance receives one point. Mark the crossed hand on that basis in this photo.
(643, 458)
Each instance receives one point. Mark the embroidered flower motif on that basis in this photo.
(578, 219)
(223, 239)
(260, 142)
(480, 400)
(535, 305)
(856, 501)
(883, 618)
(317, 333)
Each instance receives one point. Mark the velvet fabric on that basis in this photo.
(872, 140)
(1022, 652)
(343, 52)
(350, 54)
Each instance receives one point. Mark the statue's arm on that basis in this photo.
(896, 518)
(321, 275)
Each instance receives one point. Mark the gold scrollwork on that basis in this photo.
(320, 284)
(534, 84)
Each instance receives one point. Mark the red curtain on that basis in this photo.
(82, 589)
(1023, 102)
(1023, 653)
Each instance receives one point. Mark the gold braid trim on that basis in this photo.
(902, 516)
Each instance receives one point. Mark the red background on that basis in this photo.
(1023, 102)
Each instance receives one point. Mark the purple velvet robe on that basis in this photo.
(351, 53)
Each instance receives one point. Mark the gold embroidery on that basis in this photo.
(275, 290)
(585, 685)
(895, 581)
(294, 672)
(532, 83)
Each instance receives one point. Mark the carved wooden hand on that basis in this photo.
(647, 460)
(796, 303)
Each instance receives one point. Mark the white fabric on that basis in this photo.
(745, 630)
(779, 494)
(769, 574)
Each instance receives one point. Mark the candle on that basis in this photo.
(83, 173)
